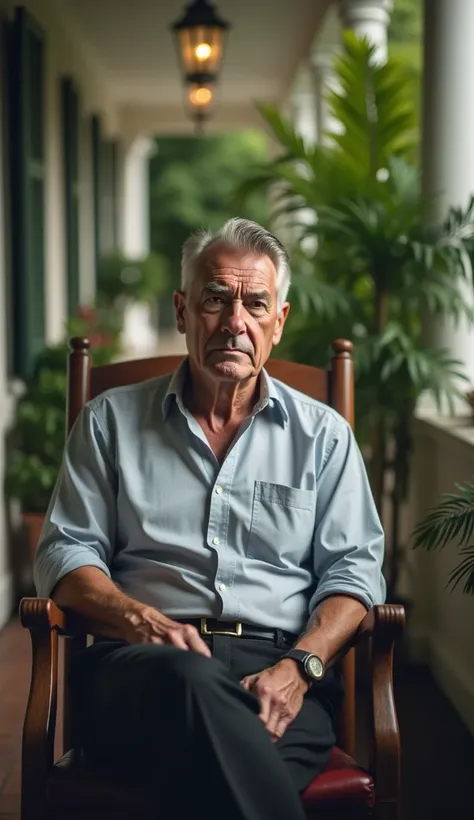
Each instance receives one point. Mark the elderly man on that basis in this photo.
(216, 532)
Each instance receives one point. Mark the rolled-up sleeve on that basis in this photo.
(349, 539)
(80, 523)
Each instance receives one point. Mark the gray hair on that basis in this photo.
(241, 233)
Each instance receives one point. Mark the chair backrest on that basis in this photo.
(334, 386)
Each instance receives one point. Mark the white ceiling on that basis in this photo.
(130, 41)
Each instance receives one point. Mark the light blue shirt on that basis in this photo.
(286, 520)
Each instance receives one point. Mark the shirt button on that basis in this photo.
(221, 587)
(216, 541)
(218, 489)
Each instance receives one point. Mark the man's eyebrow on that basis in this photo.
(214, 287)
(262, 295)
(220, 290)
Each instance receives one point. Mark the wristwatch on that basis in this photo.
(312, 665)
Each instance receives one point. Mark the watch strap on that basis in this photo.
(297, 654)
(302, 655)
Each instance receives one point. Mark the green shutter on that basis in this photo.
(70, 129)
(96, 140)
(28, 189)
(105, 192)
(114, 160)
(107, 203)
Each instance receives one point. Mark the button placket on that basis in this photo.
(218, 527)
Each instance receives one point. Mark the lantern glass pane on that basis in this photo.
(201, 50)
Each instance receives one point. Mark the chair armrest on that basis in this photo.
(384, 625)
(41, 615)
(45, 622)
(385, 621)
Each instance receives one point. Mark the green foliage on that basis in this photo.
(377, 268)
(452, 520)
(37, 440)
(406, 22)
(191, 185)
(405, 43)
(375, 103)
(139, 280)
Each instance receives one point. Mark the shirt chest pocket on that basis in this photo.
(282, 524)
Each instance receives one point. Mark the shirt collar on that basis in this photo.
(269, 395)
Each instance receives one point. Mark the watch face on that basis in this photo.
(314, 667)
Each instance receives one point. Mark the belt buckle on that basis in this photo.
(205, 631)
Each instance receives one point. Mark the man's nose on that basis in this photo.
(232, 321)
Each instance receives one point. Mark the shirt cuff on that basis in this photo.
(49, 571)
(361, 595)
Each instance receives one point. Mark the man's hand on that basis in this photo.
(281, 690)
(144, 624)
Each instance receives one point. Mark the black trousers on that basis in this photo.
(183, 723)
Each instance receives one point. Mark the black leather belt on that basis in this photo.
(237, 629)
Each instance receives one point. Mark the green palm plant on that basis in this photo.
(452, 520)
(375, 268)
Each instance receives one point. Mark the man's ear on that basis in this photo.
(280, 323)
(179, 301)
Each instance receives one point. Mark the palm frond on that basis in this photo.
(452, 518)
(319, 297)
(283, 130)
(373, 101)
(464, 570)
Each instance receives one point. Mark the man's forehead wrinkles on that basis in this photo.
(238, 270)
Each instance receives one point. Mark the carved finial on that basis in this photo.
(343, 348)
(79, 344)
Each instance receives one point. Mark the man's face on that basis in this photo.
(230, 313)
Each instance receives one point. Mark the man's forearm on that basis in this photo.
(101, 607)
(331, 626)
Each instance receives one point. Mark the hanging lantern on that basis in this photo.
(200, 100)
(200, 35)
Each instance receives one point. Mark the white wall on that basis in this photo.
(64, 56)
(441, 630)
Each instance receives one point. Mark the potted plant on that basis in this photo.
(367, 265)
(36, 441)
(122, 278)
(129, 289)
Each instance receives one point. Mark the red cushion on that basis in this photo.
(341, 784)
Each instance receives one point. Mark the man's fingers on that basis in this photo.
(265, 705)
(278, 715)
(194, 641)
(188, 637)
(280, 728)
(248, 682)
(176, 638)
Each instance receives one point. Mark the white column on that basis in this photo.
(369, 19)
(448, 126)
(136, 218)
(139, 337)
(324, 82)
(303, 109)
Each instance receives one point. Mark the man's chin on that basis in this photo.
(231, 367)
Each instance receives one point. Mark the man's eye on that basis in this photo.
(214, 300)
(257, 304)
